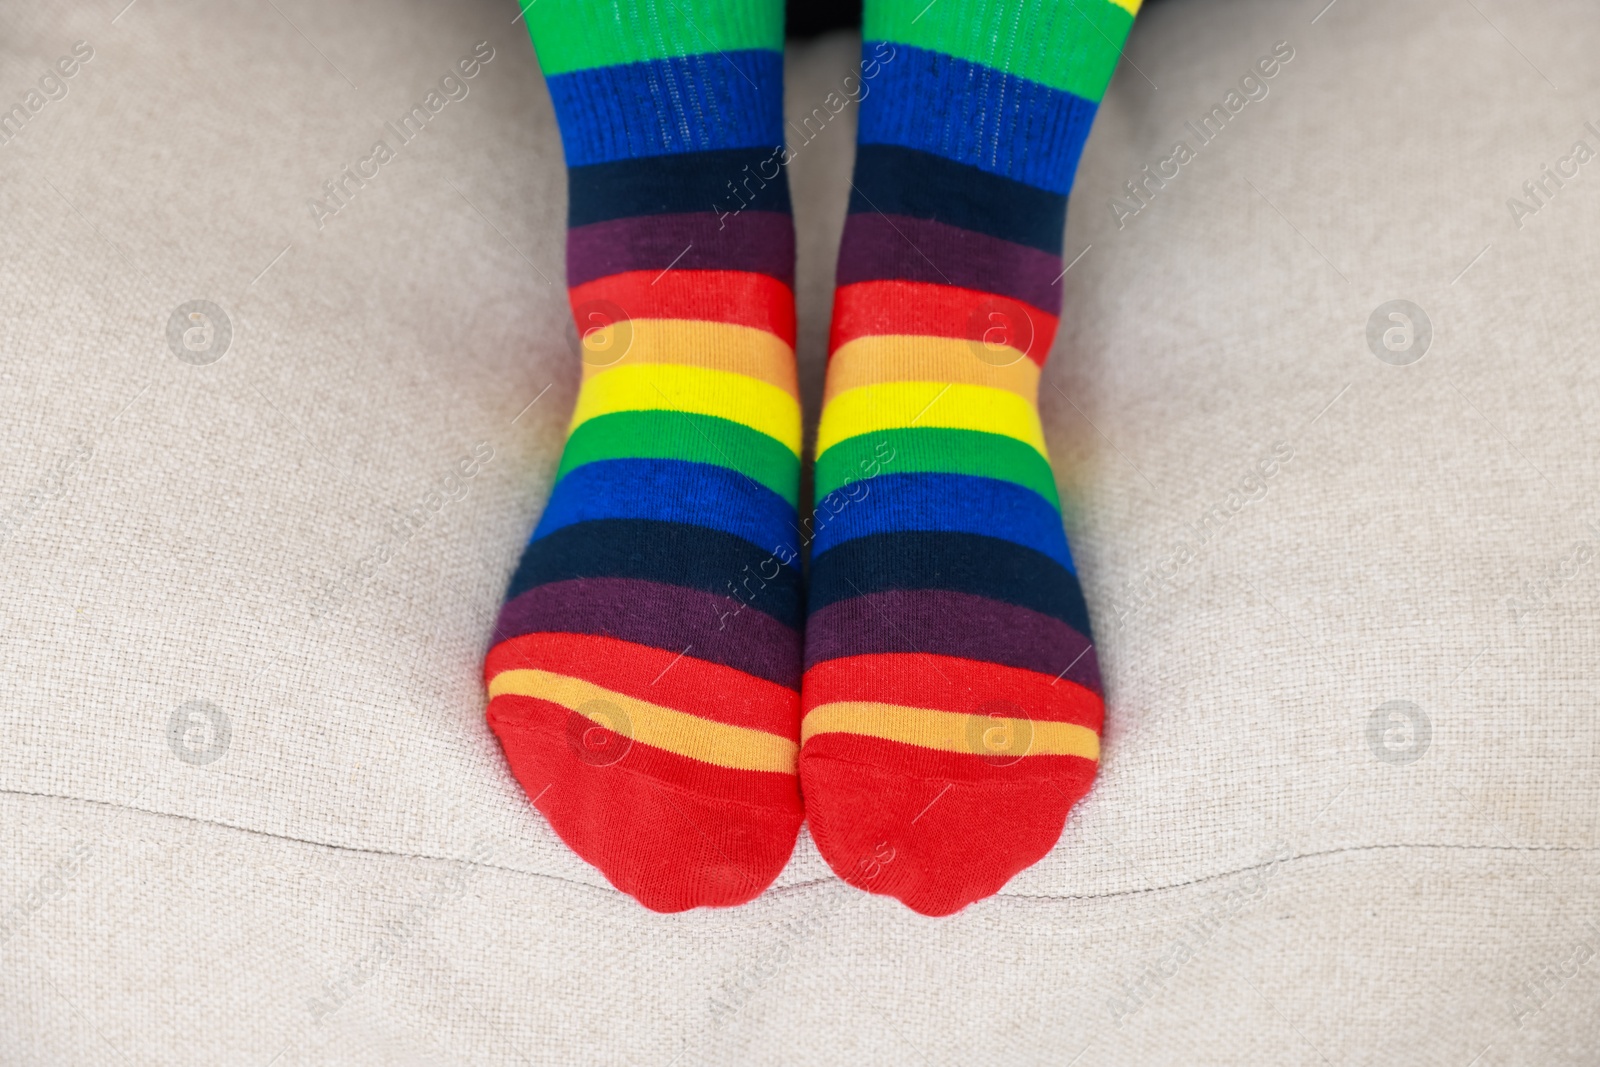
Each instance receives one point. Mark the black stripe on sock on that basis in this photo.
(960, 562)
(905, 181)
(667, 552)
(724, 181)
(816, 17)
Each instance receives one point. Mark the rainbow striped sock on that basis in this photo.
(952, 702)
(644, 683)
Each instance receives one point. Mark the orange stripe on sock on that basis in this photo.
(960, 686)
(895, 759)
(719, 346)
(550, 734)
(896, 358)
(674, 680)
(925, 309)
(988, 736)
(735, 747)
(741, 298)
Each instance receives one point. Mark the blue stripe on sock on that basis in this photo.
(946, 503)
(670, 490)
(972, 114)
(666, 106)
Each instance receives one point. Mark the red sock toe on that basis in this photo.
(936, 831)
(716, 840)
(677, 784)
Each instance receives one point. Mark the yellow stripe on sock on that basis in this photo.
(903, 358)
(1130, 6)
(668, 387)
(737, 747)
(938, 405)
(945, 731)
(722, 346)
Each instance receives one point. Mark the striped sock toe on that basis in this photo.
(644, 678)
(935, 775)
(951, 702)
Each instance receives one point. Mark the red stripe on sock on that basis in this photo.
(921, 309)
(670, 679)
(948, 683)
(740, 298)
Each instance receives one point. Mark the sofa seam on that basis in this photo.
(790, 889)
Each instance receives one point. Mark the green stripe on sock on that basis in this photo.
(576, 35)
(683, 436)
(922, 449)
(1072, 45)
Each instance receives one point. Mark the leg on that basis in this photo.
(952, 702)
(645, 674)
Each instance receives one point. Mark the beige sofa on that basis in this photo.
(1342, 564)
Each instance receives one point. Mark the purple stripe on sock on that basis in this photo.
(885, 247)
(951, 624)
(758, 241)
(670, 617)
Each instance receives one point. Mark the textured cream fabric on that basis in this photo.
(248, 805)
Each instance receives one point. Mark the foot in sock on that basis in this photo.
(952, 703)
(644, 677)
